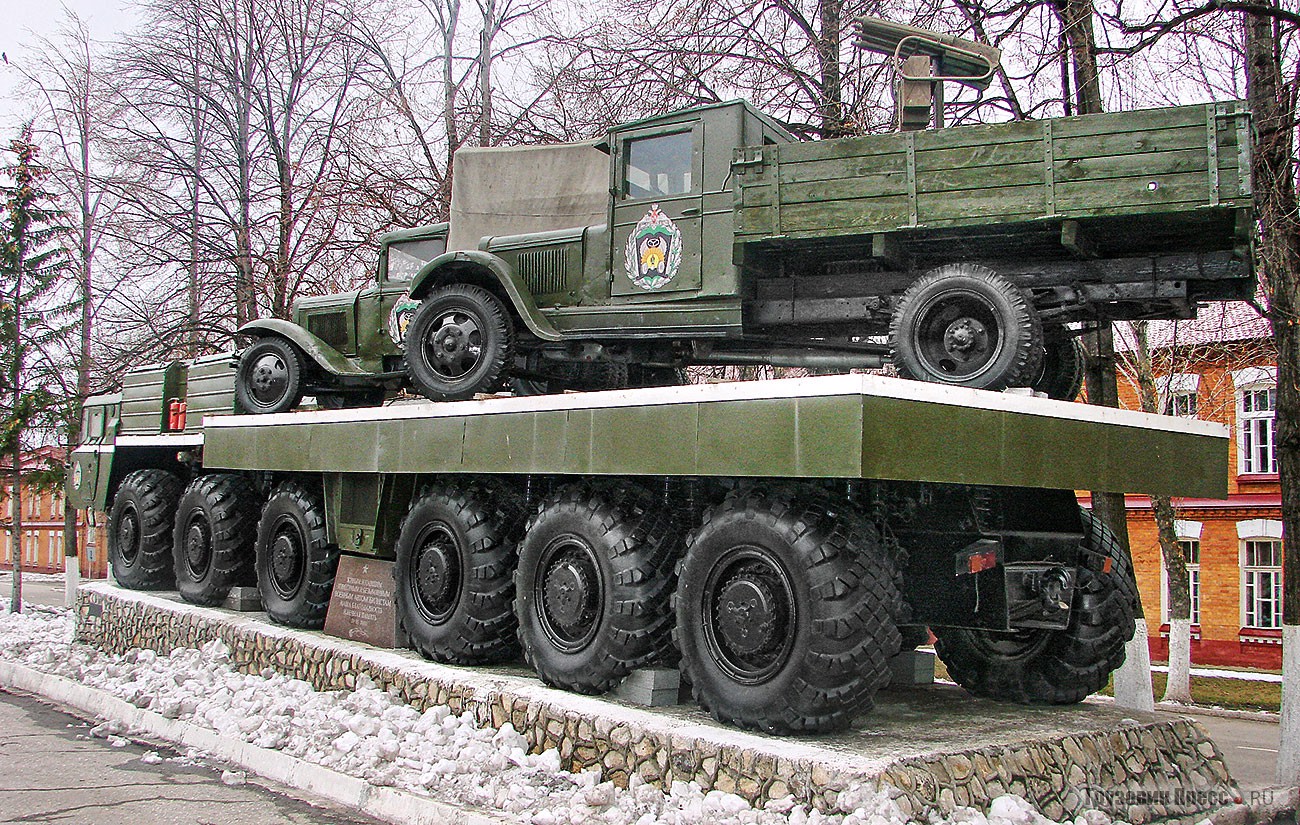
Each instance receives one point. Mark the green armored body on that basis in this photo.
(712, 236)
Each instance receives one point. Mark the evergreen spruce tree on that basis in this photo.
(35, 319)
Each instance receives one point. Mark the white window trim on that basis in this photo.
(1241, 389)
(1178, 383)
(1254, 375)
(1274, 533)
(1259, 528)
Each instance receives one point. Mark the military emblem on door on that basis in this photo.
(654, 251)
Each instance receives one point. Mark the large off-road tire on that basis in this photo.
(140, 530)
(967, 326)
(787, 609)
(295, 561)
(458, 343)
(216, 527)
(594, 585)
(455, 572)
(1057, 667)
(1061, 376)
(269, 378)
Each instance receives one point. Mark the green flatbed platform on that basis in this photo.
(853, 426)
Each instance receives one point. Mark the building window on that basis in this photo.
(1256, 425)
(1179, 394)
(1189, 539)
(1262, 588)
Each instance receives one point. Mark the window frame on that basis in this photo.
(1188, 532)
(1256, 532)
(692, 131)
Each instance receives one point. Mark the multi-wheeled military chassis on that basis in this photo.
(781, 540)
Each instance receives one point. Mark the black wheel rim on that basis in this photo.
(957, 336)
(749, 614)
(128, 536)
(570, 593)
(435, 573)
(198, 546)
(453, 347)
(1013, 646)
(268, 379)
(288, 560)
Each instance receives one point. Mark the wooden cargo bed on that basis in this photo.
(1186, 170)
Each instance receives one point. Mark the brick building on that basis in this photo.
(41, 543)
(1221, 367)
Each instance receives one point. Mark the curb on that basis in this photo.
(1283, 801)
(388, 804)
(1202, 710)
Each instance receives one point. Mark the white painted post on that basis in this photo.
(1133, 679)
(1288, 752)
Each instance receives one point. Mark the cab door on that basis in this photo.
(658, 202)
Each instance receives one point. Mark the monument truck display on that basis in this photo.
(779, 540)
(713, 236)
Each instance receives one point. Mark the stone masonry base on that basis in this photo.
(939, 747)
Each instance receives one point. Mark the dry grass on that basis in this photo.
(1237, 694)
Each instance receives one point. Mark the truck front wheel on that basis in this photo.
(965, 325)
(458, 343)
(594, 585)
(216, 526)
(269, 378)
(1057, 667)
(787, 611)
(455, 573)
(140, 529)
(295, 561)
(1061, 376)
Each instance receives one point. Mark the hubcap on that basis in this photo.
(288, 559)
(749, 614)
(570, 594)
(957, 336)
(269, 379)
(454, 345)
(437, 574)
(198, 548)
(128, 536)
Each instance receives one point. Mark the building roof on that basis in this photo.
(37, 459)
(1216, 322)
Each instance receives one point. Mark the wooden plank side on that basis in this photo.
(986, 205)
(1129, 166)
(836, 168)
(992, 154)
(1131, 143)
(865, 215)
(1133, 195)
(987, 177)
(865, 186)
(1137, 120)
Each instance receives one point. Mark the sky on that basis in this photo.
(25, 21)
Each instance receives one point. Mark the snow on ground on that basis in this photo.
(369, 734)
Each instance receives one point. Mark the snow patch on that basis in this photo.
(372, 735)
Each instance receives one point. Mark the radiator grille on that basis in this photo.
(543, 270)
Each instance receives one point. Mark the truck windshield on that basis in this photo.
(405, 259)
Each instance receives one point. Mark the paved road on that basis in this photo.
(52, 771)
(1249, 747)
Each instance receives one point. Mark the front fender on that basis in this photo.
(441, 270)
(324, 356)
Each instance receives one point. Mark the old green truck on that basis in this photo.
(711, 236)
(779, 541)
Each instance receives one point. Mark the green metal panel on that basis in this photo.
(209, 389)
(830, 427)
(145, 394)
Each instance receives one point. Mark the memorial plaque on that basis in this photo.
(362, 606)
